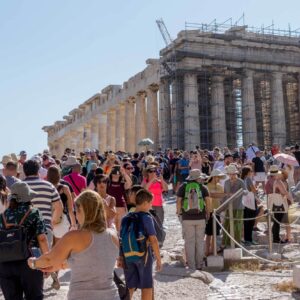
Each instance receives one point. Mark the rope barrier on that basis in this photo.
(246, 219)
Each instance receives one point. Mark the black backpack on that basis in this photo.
(13, 241)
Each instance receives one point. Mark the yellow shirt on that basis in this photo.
(212, 188)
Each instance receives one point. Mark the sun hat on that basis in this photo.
(196, 174)
(274, 170)
(87, 150)
(6, 159)
(217, 173)
(37, 158)
(70, 162)
(22, 192)
(93, 166)
(231, 169)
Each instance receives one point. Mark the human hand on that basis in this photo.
(120, 262)
(158, 266)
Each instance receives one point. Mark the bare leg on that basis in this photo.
(147, 294)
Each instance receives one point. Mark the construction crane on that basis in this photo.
(170, 68)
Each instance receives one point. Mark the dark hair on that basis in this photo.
(99, 178)
(135, 155)
(11, 165)
(53, 175)
(99, 171)
(135, 188)
(143, 196)
(31, 168)
(3, 191)
(296, 146)
(245, 171)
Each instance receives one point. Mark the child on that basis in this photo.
(131, 197)
(138, 274)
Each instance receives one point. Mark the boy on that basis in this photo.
(138, 274)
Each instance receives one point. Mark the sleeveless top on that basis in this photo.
(92, 270)
(63, 198)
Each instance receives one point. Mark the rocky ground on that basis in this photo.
(174, 282)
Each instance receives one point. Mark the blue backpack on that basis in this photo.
(133, 241)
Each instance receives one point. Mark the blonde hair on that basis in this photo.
(94, 214)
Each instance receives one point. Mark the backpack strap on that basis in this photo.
(8, 225)
(77, 188)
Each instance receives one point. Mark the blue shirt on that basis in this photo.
(184, 163)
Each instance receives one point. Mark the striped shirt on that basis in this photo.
(47, 194)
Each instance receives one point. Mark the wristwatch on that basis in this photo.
(32, 264)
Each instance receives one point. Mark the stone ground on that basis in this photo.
(174, 282)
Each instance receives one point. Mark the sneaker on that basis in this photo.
(256, 229)
(247, 243)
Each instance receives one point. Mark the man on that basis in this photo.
(183, 166)
(250, 152)
(4, 161)
(259, 169)
(192, 198)
(47, 200)
(77, 181)
(22, 159)
(10, 172)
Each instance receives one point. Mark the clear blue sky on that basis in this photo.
(56, 54)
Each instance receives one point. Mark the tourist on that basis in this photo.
(131, 197)
(138, 274)
(21, 161)
(251, 152)
(128, 167)
(216, 192)
(183, 166)
(3, 194)
(100, 182)
(192, 197)
(90, 252)
(91, 173)
(231, 186)
(77, 181)
(195, 160)
(259, 169)
(154, 183)
(117, 185)
(206, 167)
(47, 199)
(17, 280)
(174, 171)
(297, 168)
(11, 172)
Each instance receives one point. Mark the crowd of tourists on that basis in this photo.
(94, 212)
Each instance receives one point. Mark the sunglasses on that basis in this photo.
(102, 181)
(129, 168)
(152, 171)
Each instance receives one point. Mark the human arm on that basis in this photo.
(67, 192)
(155, 247)
(110, 209)
(43, 243)
(163, 183)
(57, 208)
(128, 181)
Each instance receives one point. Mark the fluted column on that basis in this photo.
(102, 145)
(248, 109)
(140, 117)
(87, 136)
(80, 140)
(95, 133)
(277, 111)
(120, 127)
(174, 114)
(218, 120)
(73, 140)
(111, 130)
(191, 112)
(152, 115)
(130, 144)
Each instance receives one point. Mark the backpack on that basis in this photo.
(133, 241)
(193, 200)
(159, 229)
(13, 241)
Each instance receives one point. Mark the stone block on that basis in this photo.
(232, 254)
(296, 276)
(215, 263)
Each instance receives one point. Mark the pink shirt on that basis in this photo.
(77, 182)
(156, 190)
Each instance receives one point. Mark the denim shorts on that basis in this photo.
(138, 274)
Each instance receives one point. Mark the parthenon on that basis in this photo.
(212, 86)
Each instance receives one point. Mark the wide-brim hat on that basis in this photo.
(70, 162)
(217, 173)
(231, 169)
(6, 159)
(274, 170)
(196, 174)
(22, 192)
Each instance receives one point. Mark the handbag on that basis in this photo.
(248, 200)
(13, 241)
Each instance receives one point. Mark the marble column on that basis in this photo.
(218, 120)
(278, 121)
(94, 133)
(191, 112)
(120, 127)
(248, 109)
(140, 117)
(165, 127)
(111, 130)
(152, 115)
(73, 140)
(174, 114)
(102, 133)
(87, 139)
(79, 140)
(130, 142)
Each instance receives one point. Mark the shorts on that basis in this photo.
(138, 274)
(260, 177)
(209, 226)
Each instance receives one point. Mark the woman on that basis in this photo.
(231, 186)
(195, 161)
(119, 182)
(90, 252)
(53, 176)
(100, 182)
(16, 278)
(206, 167)
(249, 212)
(128, 167)
(154, 183)
(3, 194)
(216, 193)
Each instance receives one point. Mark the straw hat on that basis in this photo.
(6, 159)
(217, 173)
(196, 174)
(274, 170)
(231, 169)
(70, 162)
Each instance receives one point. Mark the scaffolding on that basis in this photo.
(174, 71)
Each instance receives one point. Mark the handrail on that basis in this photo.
(229, 200)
